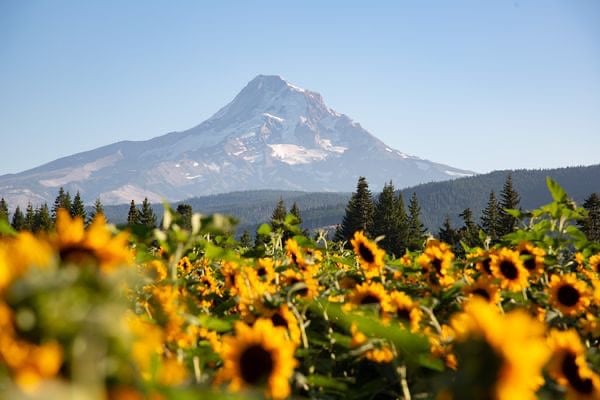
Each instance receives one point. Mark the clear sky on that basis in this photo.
(480, 85)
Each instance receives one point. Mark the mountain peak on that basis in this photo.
(272, 83)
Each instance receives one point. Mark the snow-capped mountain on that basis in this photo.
(273, 135)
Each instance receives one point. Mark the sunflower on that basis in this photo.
(265, 269)
(95, 246)
(507, 266)
(594, 262)
(369, 294)
(370, 256)
(568, 294)
(484, 288)
(257, 356)
(533, 258)
(285, 318)
(436, 262)
(310, 287)
(500, 340)
(294, 253)
(405, 310)
(569, 367)
(482, 260)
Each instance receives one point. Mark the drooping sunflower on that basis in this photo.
(405, 310)
(294, 253)
(436, 262)
(500, 339)
(533, 258)
(370, 294)
(370, 256)
(568, 294)
(569, 367)
(284, 317)
(94, 246)
(507, 266)
(485, 288)
(258, 356)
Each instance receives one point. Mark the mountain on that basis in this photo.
(273, 135)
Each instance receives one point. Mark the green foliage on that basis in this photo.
(63, 200)
(18, 219)
(490, 218)
(133, 216)
(97, 210)
(3, 210)
(590, 225)
(390, 221)
(359, 211)
(416, 230)
(42, 219)
(185, 212)
(77, 208)
(146, 215)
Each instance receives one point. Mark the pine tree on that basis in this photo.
(278, 215)
(29, 218)
(133, 217)
(63, 200)
(147, 216)
(509, 199)
(591, 224)
(387, 220)
(246, 239)
(18, 219)
(295, 211)
(448, 234)
(97, 210)
(77, 208)
(469, 233)
(359, 212)
(402, 234)
(185, 212)
(416, 229)
(3, 210)
(42, 220)
(490, 218)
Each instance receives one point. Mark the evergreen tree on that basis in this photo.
(185, 212)
(133, 217)
(295, 211)
(402, 234)
(359, 212)
(246, 239)
(509, 199)
(18, 219)
(77, 208)
(147, 216)
(416, 229)
(63, 200)
(387, 221)
(448, 234)
(3, 210)
(591, 224)
(42, 220)
(29, 218)
(469, 233)
(278, 215)
(490, 218)
(97, 210)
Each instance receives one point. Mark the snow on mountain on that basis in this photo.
(272, 135)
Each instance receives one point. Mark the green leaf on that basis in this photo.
(264, 229)
(6, 229)
(326, 382)
(557, 192)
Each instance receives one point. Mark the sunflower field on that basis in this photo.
(97, 313)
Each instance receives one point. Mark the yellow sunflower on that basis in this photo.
(568, 294)
(309, 286)
(285, 318)
(569, 367)
(484, 288)
(502, 337)
(436, 262)
(482, 260)
(370, 256)
(265, 269)
(370, 293)
(507, 266)
(594, 262)
(405, 310)
(294, 253)
(258, 356)
(533, 258)
(95, 246)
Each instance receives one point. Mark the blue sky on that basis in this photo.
(480, 85)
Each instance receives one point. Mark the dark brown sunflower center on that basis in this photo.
(78, 255)
(256, 365)
(294, 258)
(509, 270)
(366, 253)
(568, 295)
(570, 370)
(482, 293)
(403, 314)
(369, 299)
(278, 320)
(436, 263)
(262, 271)
(529, 261)
(485, 263)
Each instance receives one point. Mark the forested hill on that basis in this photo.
(451, 197)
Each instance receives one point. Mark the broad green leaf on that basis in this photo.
(557, 192)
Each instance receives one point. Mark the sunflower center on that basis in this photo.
(369, 299)
(278, 320)
(366, 253)
(403, 314)
(529, 261)
(78, 255)
(570, 370)
(256, 365)
(294, 258)
(485, 263)
(568, 295)
(437, 265)
(509, 270)
(262, 271)
(482, 293)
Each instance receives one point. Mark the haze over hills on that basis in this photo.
(273, 135)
